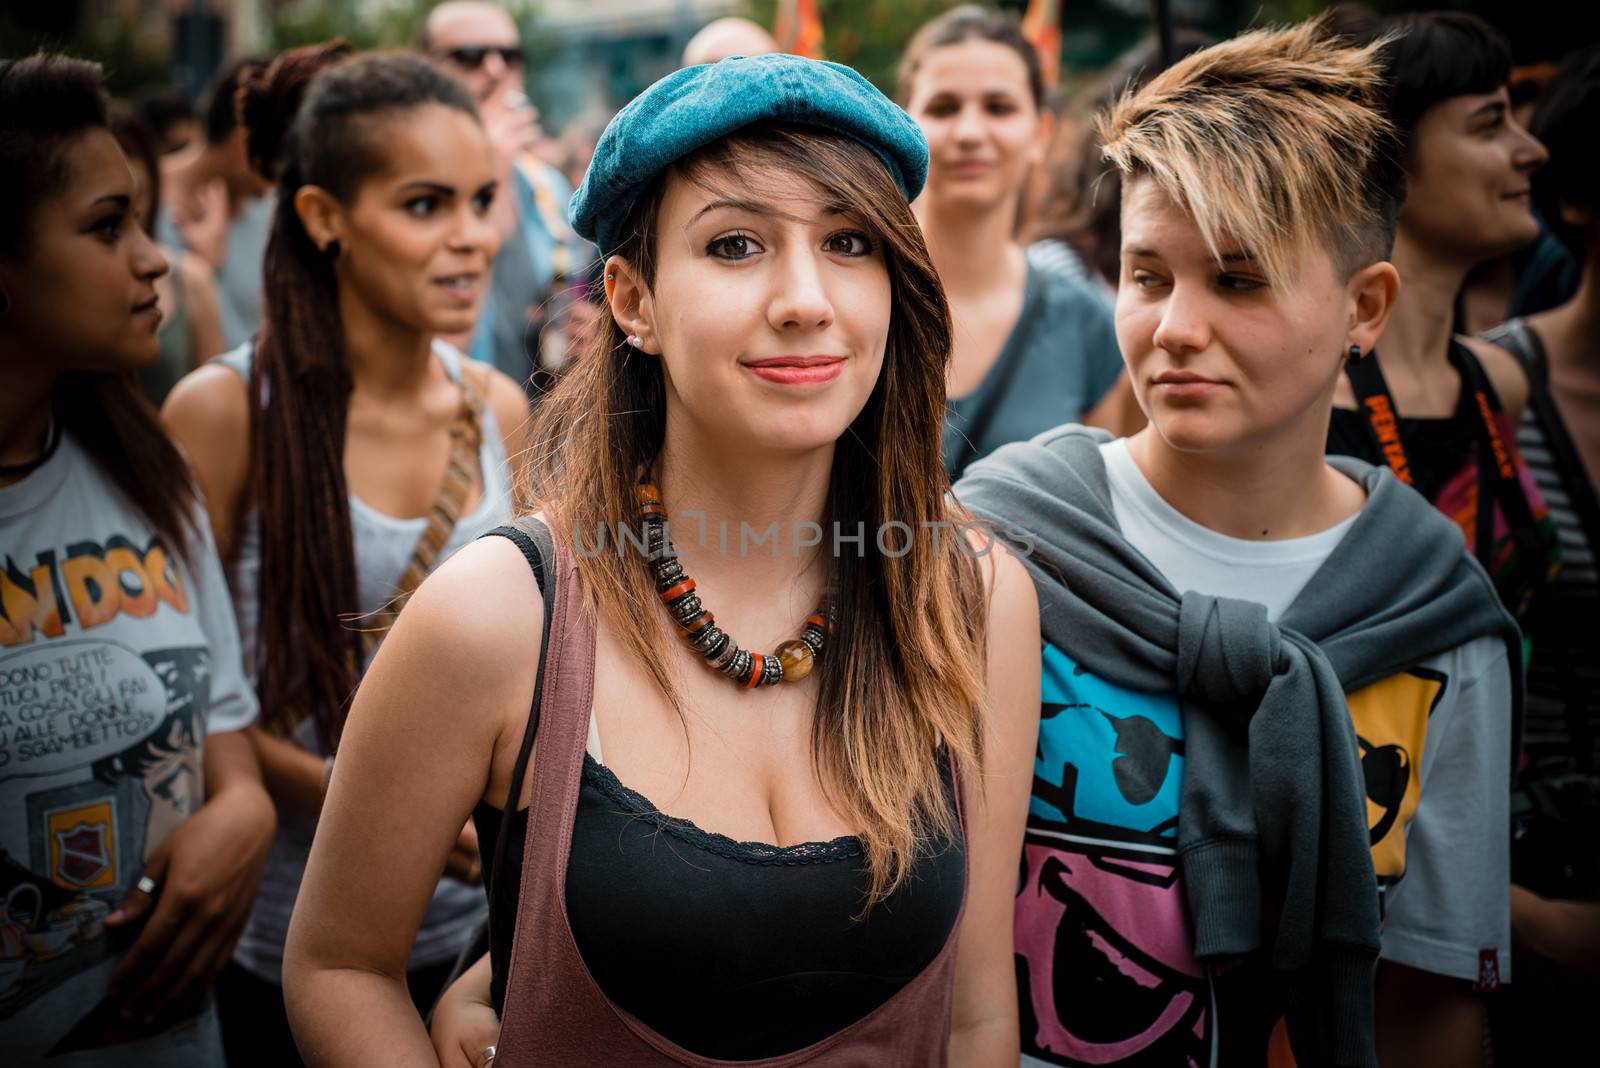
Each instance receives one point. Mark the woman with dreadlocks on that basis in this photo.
(347, 450)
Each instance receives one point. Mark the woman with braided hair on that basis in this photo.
(346, 450)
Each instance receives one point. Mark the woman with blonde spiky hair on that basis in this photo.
(1277, 695)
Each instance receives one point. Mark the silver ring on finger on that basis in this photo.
(486, 1058)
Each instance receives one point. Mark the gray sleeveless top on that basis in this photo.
(383, 548)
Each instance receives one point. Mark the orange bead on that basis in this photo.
(672, 593)
(757, 663)
(646, 493)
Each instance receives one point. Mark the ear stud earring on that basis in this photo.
(1355, 353)
(633, 339)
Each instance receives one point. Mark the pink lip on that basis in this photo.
(149, 307)
(1184, 384)
(798, 370)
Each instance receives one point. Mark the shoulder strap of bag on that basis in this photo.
(460, 474)
(1005, 373)
(1521, 341)
(1498, 471)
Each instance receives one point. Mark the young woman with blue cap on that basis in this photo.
(828, 877)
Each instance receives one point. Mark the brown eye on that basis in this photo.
(849, 243)
(733, 247)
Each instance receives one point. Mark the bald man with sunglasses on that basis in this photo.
(534, 302)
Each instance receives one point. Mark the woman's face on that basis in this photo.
(770, 314)
(984, 130)
(417, 242)
(1218, 359)
(82, 288)
(1468, 185)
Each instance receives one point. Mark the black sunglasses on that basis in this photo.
(472, 56)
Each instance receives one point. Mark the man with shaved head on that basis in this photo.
(718, 40)
(540, 259)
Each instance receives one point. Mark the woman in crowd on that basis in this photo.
(1032, 346)
(346, 452)
(1275, 689)
(191, 324)
(1438, 408)
(133, 823)
(1555, 857)
(833, 882)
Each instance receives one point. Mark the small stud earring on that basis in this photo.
(633, 339)
(1355, 353)
(611, 278)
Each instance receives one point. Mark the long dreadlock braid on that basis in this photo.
(309, 115)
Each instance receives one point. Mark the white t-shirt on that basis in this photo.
(1435, 740)
(117, 660)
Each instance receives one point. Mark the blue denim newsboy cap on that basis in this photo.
(695, 106)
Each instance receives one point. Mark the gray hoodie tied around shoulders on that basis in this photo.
(1272, 818)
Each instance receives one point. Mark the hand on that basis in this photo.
(513, 128)
(206, 874)
(464, 1021)
(464, 863)
(202, 221)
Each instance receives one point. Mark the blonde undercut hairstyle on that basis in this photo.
(1275, 140)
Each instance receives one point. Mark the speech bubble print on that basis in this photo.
(65, 704)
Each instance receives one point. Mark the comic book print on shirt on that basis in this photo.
(1105, 963)
(88, 837)
(100, 759)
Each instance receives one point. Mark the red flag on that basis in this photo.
(1041, 25)
(798, 28)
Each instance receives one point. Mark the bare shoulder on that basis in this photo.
(212, 398)
(1007, 585)
(1505, 373)
(481, 608)
(208, 415)
(511, 410)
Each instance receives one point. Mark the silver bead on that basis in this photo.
(719, 658)
(739, 666)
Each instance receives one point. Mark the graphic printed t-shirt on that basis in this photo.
(116, 662)
(1103, 937)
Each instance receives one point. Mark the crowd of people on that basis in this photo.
(1169, 509)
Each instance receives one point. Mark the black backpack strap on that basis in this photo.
(533, 538)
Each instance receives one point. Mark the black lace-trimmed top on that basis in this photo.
(734, 950)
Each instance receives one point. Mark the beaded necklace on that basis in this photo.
(792, 661)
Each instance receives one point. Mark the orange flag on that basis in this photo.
(1041, 25)
(798, 28)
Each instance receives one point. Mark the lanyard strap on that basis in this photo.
(1498, 477)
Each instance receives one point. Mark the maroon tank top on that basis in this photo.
(555, 1013)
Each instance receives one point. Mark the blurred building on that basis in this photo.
(586, 58)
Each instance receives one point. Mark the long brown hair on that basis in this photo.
(310, 120)
(903, 681)
(46, 101)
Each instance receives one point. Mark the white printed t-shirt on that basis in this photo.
(116, 661)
